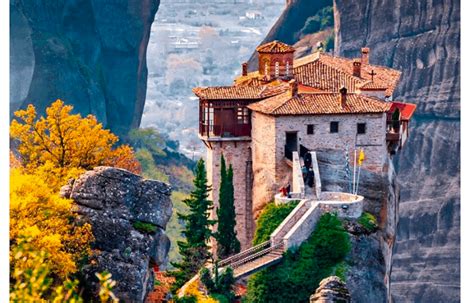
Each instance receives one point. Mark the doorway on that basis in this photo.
(291, 144)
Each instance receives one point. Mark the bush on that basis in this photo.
(299, 274)
(368, 221)
(144, 227)
(322, 20)
(271, 216)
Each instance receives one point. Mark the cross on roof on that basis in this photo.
(372, 74)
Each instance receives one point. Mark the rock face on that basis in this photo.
(114, 202)
(331, 290)
(89, 53)
(370, 259)
(422, 39)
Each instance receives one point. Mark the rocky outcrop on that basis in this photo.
(422, 39)
(370, 259)
(331, 290)
(128, 215)
(89, 53)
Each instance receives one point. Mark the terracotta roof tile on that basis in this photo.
(239, 92)
(319, 103)
(314, 70)
(275, 47)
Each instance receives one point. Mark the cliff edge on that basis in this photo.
(89, 53)
(128, 215)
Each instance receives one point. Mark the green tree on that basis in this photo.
(227, 242)
(195, 249)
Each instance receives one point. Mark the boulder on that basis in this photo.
(331, 290)
(113, 201)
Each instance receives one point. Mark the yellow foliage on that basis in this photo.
(40, 214)
(32, 282)
(66, 140)
(193, 290)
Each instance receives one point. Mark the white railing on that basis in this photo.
(317, 175)
(298, 182)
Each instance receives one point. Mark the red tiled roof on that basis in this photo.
(275, 47)
(315, 69)
(239, 92)
(319, 103)
(406, 109)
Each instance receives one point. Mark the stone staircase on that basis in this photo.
(296, 228)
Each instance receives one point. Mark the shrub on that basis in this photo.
(272, 215)
(322, 20)
(144, 227)
(298, 275)
(368, 221)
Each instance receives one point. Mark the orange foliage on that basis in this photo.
(162, 287)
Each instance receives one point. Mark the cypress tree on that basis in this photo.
(195, 250)
(227, 243)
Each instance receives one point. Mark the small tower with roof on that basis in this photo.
(275, 61)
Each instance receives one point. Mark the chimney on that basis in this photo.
(356, 67)
(244, 69)
(293, 88)
(343, 96)
(365, 55)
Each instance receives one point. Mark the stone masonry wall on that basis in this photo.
(237, 154)
(263, 161)
(372, 142)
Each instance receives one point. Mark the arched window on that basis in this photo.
(277, 69)
(287, 68)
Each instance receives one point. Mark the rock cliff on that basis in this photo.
(89, 53)
(370, 259)
(422, 39)
(128, 215)
(331, 290)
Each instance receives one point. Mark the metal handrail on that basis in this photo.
(244, 253)
(256, 255)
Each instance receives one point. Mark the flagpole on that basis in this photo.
(358, 178)
(354, 171)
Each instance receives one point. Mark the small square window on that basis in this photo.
(360, 128)
(310, 129)
(334, 127)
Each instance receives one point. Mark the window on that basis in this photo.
(242, 115)
(310, 129)
(277, 69)
(334, 127)
(287, 68)
(360, 128)
(266, 68)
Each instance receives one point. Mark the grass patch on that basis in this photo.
(144, 227)
(368, 221)
(272, 215)
(299, 274)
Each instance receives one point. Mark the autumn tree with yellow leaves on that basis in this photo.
(50, 150)
(66, 141)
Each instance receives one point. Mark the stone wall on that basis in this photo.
(373, 141)
(289, 221)
(236, 153)
(264, 161)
